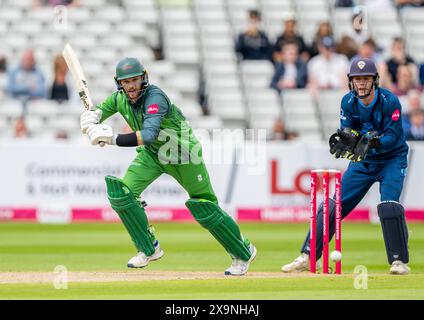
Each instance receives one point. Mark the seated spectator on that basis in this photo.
(290, 35)
(59, 90)
(410, 103)
(405, 81)
(398, 57)
(324, 30)
(43, 3)
(291, 72)
(21, 130)
(400, 4)
(26, 82)
(368, 49)
(347, 46)
(344, 3)
(421, 74)
(279, 132)
(416, 130)
(3, 70)
(253, 44)
(328, 69)
(61, 135)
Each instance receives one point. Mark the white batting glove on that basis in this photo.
(88, 118)
(101, 134)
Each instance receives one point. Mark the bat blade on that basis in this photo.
(78, 76)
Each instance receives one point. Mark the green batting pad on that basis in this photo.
(131, 213)
(221, 226)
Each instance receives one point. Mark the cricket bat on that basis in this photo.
(78, 75)
(79, 78)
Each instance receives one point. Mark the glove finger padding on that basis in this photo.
(89, 118)
(362, 148)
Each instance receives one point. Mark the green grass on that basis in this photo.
(188, 247)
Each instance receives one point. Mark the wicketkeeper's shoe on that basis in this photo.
(239, 267)
(398, 267)
(300, 264)
(140, 260)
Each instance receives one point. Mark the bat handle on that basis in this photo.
(102, 144)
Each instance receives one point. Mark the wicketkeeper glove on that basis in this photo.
(343, 142)
(369, 140)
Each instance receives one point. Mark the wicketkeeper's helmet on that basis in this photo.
(363, 67)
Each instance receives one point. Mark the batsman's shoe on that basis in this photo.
(398, 267)
(300, 264)
(239, 267)
(140, 260)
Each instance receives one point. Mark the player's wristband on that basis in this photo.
(127, 140)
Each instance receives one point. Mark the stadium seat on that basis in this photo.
(110, 13)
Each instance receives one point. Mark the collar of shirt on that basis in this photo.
(373, 101)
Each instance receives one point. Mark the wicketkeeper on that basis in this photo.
(165, 143)
(371, 136)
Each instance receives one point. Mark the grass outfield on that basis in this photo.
(105, 249)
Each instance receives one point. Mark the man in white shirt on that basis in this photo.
(328, 69)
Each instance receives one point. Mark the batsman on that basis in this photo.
(371, 137)
(165, 144)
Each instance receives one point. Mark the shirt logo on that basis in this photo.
(152, 109)
(396, 115)
(361, 64)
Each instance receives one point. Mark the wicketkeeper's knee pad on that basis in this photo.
(395, 231)
(221, 226)
(131, 213)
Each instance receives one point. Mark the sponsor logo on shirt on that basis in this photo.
(152, 109)
(396, 115)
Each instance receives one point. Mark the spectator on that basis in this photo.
(400, 4)
(416, 130)
(347, 46)
(279, 132)
(59, 90)
(399, 57)
(43, 3)
(324, 30)
(405, 80)
(253, 44)
(26, 82)
(62, 135)
(3, 64)
(291, 72)
(409, 104)
(290, 35)
(344, 3)
(21, 130)
(368, 49)
(3, 69)
(328, 69)
(421, 74)
(412, 102)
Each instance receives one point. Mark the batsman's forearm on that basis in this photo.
(132, 139)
